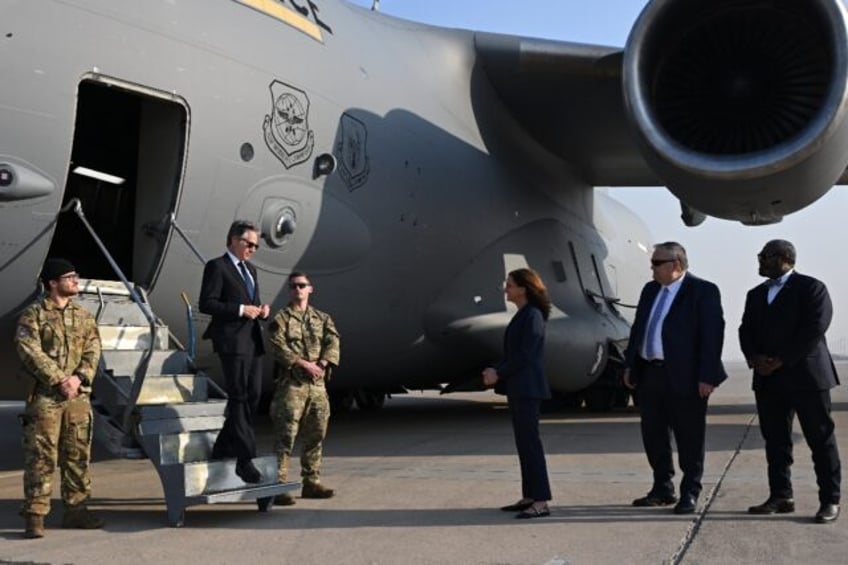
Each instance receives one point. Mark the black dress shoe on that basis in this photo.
(517, 507)
(686, 505)
(774, 505)
(652, 499)
(827, 513)
(248, 472)
(532, 512)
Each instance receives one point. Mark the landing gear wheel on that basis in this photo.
(599, 398)
(622, 398)
(369, 401)
(341, 401)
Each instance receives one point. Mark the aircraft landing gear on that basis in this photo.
(369, 401)
(341, 401)
(365, 400)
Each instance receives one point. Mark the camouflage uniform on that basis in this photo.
(54, 343)
(299, 402)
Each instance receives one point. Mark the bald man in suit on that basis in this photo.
(783, 339)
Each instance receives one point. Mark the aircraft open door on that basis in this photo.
(126, 169)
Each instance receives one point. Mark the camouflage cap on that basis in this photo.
(55, 268)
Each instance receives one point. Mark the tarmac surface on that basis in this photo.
(421, 482)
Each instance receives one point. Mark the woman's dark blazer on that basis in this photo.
(522, 372)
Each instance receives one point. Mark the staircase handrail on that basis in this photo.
(75, 205)
(172, 219)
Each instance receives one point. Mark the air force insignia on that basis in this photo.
(352, 152)
(287, 132)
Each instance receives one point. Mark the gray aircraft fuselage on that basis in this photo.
(405, 168)
(216, 111)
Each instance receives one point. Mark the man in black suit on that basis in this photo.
(230, 294)
(674, 360)
(782, 338)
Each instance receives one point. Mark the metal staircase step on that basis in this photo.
(99, 286)
(241, 494)
(186, 410)
(132, 338)
(124, 362)
(209, 477)
(186, 447)
(169, 389)
(178, 425)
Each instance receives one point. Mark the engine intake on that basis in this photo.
(739, 105)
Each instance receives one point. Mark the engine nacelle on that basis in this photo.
(740, 105)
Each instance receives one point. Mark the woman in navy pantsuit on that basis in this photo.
(521, 377)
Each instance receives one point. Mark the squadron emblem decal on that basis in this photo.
(352, 152)
(287, 132)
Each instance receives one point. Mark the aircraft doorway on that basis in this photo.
(126, 170)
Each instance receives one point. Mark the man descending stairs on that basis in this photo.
(150, 400)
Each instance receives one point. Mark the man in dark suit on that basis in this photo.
(230, 294)
(782, 338)
(674, 360)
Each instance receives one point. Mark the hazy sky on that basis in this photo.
(722, 251)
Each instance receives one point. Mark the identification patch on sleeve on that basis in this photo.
(23, 332)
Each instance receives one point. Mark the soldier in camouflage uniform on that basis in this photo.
(305, 344)
(59, 344)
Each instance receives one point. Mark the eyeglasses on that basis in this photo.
(250, 244)
(765, 256)
(658, 262)
(70, 277)
(298, 285)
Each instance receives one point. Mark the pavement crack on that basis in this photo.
(695, 525)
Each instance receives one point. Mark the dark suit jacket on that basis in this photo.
(792, 329)
(222, 292)
(692, 335)
(522, 369)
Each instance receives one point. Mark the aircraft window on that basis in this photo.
(559, 271)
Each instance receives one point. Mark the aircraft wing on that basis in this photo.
(569, 98)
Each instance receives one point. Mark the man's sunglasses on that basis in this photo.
(250, 244)
(298, 285)
(658, 262)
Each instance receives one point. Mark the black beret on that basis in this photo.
(55, 268)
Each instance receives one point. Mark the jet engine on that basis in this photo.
(740, 105)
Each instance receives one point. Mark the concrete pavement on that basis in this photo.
(421, 481)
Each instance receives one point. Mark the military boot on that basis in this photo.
(316, 490)
(81, 518)
(284, 499)
(34, 526)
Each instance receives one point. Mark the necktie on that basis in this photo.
(773, 287)
(654, 327)
(251, 288)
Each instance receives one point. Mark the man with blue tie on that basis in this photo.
(783, 339)
(673, 360)
(230, 294)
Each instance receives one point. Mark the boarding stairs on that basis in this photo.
(150, 400)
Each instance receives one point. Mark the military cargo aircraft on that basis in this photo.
(406, 168)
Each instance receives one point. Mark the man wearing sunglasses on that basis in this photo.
(230, 294)
(305, 345)
(783, 339)
(673, 360)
